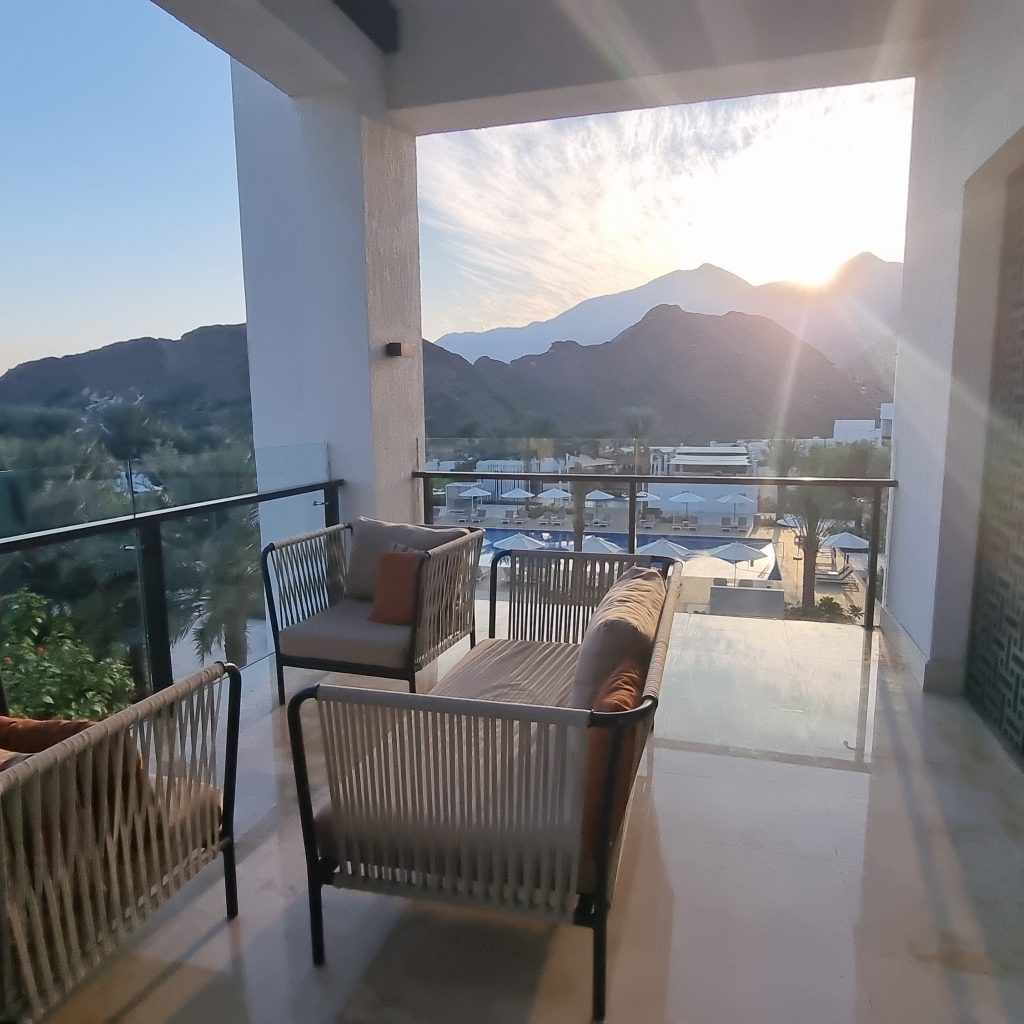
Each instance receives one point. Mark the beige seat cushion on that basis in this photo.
(344, 632)
(516, 671)
(372, 538)
(622, 627)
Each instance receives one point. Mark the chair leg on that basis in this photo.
(472, 638)
(412, 681)
(600, 962)
(316, 921)
(280, 681)
(230, 880)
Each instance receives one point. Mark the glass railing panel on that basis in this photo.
(72, 640)
(214, 589)
(47, 497)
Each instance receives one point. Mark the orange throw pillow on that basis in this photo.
(30, 736)
(394, 597)
(621, 691)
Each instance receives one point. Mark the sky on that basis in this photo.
(119, 205)
(521, 222)
(118, 201)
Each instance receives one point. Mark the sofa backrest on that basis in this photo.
(552, 594)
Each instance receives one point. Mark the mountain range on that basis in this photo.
(853, 319)
(700, 376)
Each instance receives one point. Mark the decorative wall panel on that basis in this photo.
(995, 667)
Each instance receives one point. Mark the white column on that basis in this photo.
(967, 138)
(330, 250)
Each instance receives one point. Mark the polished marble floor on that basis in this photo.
(812, 841)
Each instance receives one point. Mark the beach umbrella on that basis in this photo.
(846, 541)
(735, 553)
(600, 546)
(600, 496)
(665, 549)
(650, 499)
(686, 499)
(519, 542)
(736, 499)
(518, 494)
(555, 494)
(473, 493)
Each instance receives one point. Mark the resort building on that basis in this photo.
(719, 505)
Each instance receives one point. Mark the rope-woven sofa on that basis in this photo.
(103, 827)
(320, 591)
(501, 788)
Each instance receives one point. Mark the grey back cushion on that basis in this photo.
(622, 627)
(372, 538)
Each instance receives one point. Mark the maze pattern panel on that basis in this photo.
(995, 676)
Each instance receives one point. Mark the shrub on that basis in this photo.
(828, 609)
(48, 672)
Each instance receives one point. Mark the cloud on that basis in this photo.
(520, 222)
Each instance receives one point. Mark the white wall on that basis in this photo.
(850, 431)
(969, 108)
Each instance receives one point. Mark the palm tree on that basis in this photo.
(226, 590)
(638, 421)
(821, 509)
(785, 455)
(579, 490)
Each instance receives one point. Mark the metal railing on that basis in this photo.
(638, 482)
(152, 579)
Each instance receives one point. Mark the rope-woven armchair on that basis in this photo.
(320, 621)
(105, 826)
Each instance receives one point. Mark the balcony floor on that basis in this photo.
(812, 842)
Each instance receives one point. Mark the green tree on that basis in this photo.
(48, 672)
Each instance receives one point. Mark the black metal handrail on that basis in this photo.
(876, 485)
(147, 526)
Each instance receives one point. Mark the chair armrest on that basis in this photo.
(446, 596)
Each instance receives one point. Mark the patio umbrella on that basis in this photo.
(791, 522)
(519, 542)
(555, 494)
(686, 499)
(736, 499)
(846, 541)
(600, 546)
(664, 548)
(735, 552)
(473, 493)
(600, 496)
(518, 494)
